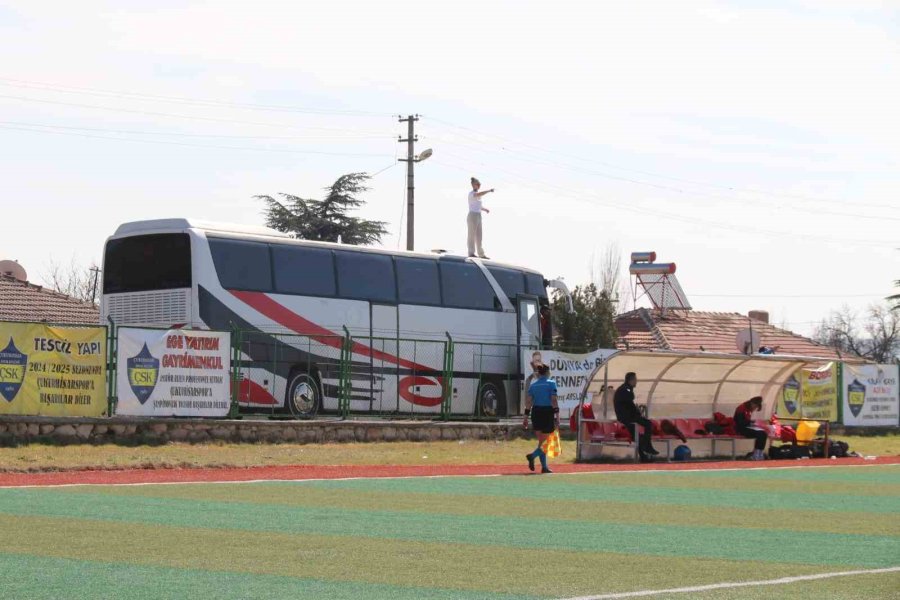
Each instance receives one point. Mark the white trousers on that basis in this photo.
(473, 221)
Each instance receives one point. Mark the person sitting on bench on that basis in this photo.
(743, 424)
(628, 414)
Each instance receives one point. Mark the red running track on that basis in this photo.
(302, 472)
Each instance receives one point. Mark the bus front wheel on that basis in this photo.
(304, 395)
(492, 399)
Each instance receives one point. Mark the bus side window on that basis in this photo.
(366, 276)
(512, 282)
(535, 285)
(465, 286)
(302, 270)
(417, 281)
(242, 265)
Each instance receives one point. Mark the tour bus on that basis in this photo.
(292, 300)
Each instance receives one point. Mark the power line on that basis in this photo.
(164, 114)
(575, 195)
(545, 162)
(171, 143)
(70, 89)
(881, 295)
(197, 135)
(659, 175)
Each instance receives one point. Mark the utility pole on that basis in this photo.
(95, 271)
(410, 161)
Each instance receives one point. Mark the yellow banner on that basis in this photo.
(52, 370)
(810, 394)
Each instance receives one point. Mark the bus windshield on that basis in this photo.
(147, 262)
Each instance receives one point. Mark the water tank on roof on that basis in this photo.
(11, 268)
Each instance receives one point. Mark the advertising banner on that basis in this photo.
(871, 395)
(811, 394)
(177, 373)
(569, 370)
(52, 370)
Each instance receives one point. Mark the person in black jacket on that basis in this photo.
(628, 414)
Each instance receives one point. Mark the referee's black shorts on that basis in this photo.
(543, 419)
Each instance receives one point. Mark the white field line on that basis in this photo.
(447, 476)
(736, 584)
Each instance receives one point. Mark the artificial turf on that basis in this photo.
(458, 537)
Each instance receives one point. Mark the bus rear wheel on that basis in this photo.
(492, 399)
(304, 395)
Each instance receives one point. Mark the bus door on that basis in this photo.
(385, 371)
(529, 338)
(529, 329)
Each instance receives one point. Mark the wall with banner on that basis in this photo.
(811, 394)
(871, 395)
(569, 370)
(52, 370)
(173, 372)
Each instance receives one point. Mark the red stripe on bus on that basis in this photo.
(253, 393)
(284, 316)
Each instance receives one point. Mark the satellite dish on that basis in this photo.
(11, 268)
(424, 154)
(747, 341)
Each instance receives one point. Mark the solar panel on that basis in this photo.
(658, 281)
(664, 291)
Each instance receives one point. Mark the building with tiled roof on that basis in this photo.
(697, 331)
(23, 301)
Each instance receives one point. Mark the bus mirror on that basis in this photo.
(559, 284)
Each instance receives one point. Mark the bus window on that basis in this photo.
(535, 285)
(242, 265)
(147, 262)
(302, 270)
(465, 286)
(366, 276)
(417, 281)
(512, 282)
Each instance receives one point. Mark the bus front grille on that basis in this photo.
(161, 308)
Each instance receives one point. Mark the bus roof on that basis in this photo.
(258, 231)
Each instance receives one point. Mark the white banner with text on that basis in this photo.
(871, 395)
(569, 370)
(177, 373)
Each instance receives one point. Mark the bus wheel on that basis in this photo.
(304, 395)
(492, 400)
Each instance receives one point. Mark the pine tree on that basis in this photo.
(328, 219)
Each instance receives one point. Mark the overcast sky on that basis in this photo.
(756, 144)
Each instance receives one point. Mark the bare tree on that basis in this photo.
(606, 273)
(73, 279)
(875, 336)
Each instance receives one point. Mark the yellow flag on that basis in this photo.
(551, 445)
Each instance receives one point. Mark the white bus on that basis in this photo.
(188, 273)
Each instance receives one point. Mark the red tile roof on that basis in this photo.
(695, 331)
(23, 301)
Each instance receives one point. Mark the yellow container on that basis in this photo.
(806, 431)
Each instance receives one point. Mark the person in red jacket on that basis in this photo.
(744, 425)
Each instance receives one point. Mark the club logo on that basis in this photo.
(856, 397)
(143, 370)
(790, 393)
(12, 370)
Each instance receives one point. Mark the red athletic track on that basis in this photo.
(301, 472)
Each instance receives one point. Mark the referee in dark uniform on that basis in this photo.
(542, 406)
(628, 414)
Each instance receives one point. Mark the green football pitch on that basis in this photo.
(502, 537)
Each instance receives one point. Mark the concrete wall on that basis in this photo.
(131, 430)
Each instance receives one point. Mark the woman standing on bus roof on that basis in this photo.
(542, 406)
(473, 220)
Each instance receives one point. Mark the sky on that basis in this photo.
(754, 144)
